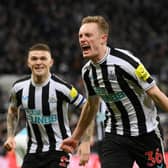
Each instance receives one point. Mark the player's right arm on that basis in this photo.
(158, 97)
(87, 115)
(12, 120)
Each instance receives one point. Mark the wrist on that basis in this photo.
(75, 138)
(10, 137)
(86, 138)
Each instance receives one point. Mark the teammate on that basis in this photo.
(45, 99)
(130, 93)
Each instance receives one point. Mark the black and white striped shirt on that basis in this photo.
(46, 108)
(121, 80)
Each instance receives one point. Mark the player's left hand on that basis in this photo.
(84, 153)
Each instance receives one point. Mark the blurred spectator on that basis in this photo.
(54, 21)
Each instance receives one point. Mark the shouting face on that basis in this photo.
(92, 41)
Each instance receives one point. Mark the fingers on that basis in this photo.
(67, 148)
(84, 159)
(8, 146)
(69, 145)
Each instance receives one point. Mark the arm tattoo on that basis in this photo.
(12, 121)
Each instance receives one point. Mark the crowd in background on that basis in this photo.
(137, 25)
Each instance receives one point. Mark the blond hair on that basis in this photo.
(99, 20)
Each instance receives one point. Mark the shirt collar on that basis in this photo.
(42, 84)
(104, 57)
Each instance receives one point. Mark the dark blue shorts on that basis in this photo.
(54, 159)
(121, 151)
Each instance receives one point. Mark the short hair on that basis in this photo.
(100, 20)
(40, 46)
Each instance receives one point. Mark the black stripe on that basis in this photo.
(129, 77)
(119, 105)
(124, 56)
(45, 98)
(19, 97)
(31, 105)
(46, 112)
(23, 79)
(57, 79)
(120, 73)
(102, 129)
(88, 83)
(107, 84)
(29, 137)
(60, 100)
(129, 59)
(105, 121)
(94, 76)
(113, 119)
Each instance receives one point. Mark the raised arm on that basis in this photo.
(12, 121)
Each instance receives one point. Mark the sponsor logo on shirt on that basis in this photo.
(35, 117)
(117, 96)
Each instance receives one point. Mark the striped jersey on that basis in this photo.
(46, 108)
(121, 80)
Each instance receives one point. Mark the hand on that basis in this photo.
(84, 153)
(10, 144)
(69, 145)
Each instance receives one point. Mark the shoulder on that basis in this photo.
(86, 66)
(22, 80)
(60, 81)
(125, 55)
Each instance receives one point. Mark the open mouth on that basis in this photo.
(86, 48)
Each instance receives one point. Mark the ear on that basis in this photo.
(103, 39)
(28, 63)
(51, 62)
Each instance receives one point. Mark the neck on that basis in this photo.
(101, 55)
(40, 79)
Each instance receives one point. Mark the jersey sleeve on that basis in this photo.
(71, 94)
(143, 76)
(138, 71)
(13, 98)
(75, 97)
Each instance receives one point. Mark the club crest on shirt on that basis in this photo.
(142, 73)
(24, 98)
(112, 76)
